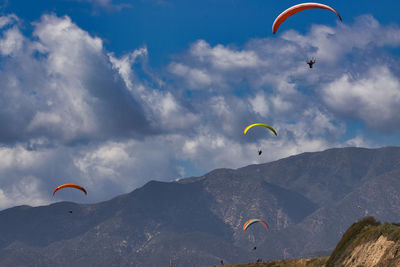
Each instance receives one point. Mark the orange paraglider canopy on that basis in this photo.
(70, 185)
(297, 8)
(252, 221)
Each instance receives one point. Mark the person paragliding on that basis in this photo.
(70, 186)
(254, 248)
(311, 62)
(263, 125)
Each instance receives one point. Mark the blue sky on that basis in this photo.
(112, 94)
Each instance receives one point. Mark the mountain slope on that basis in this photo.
(308, 201)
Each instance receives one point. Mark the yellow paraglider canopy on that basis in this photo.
(260, 124)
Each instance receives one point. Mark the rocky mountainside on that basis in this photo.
(313, 262)
(308, 201)
(368, 243)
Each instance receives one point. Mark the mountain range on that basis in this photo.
(307, 200)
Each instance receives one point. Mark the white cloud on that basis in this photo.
(162, 108)
(19, 157)
(77, 113)
(106, 4)
(22, 192)
(119, 167)
(373, 98)
(12, 42)
(62, 86)
(332, 43)
(358, 141)
(196, 78)
(27, 176)
(259, 104)
(8, 19)
(124, 66)
(223, 58)
(279, 63)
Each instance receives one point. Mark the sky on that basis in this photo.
(112, 94)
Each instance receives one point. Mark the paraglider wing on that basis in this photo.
(70, 185)
(252, 221)
(297, 8)
(259, 124)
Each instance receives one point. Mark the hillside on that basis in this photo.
(308, 201)
(368, 243)
(315, 262)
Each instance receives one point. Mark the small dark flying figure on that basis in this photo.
(311, 62)
(259, 152)
(254, 248)
(70, 211)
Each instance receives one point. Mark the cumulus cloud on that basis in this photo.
(332, 43)
(277, 87)
(358, 141)
(195, 78)
(108, 5)
(162, 108)
(279, 63)
(373, 98)
(113, 167)
(259, 104)
(22, 192)
(74, 112)
(11, 43)
(223, 58)
(312, 133)
(8, 19)
(25, 175)
(62, 86)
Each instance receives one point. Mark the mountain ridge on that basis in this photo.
(308, 200)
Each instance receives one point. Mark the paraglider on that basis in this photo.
(311, 62)
(70, 211)
(70, 185)
(297, 8)
(252, 221)
(263, 125)
(260, 124)
(254, 248)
